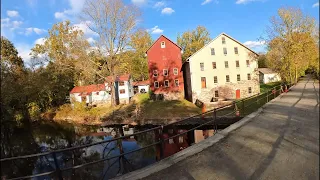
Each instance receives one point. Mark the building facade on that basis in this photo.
(164, 63)
(222, 69)
(123, 86)
(266, 75)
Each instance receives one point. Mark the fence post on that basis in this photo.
(58, 171)
(274, 94)
(161, 143)
(267, 96)
(214, 122)
(242, 108)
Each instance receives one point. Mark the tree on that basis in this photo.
(192, 41)
(292, 43)
(262, 61)
(114, 23)
(135, 61)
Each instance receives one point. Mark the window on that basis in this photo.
(226, 64)
(215, 79)
(165, 72)
(202, 66)
(249, 90)
(163, 44)
(237, 64)
(248, 63)
(122, 91)
(155, 73)
(176, 82)
(216, 93)
(212, 51)
(156, 84)
(214, 66)
(223, 40)
(227, 78)
(225, 51)
(175, 71)
(166, 83)
(249, 76)
(121, 83)
(238, 77)
(235, 50)
(203, 82)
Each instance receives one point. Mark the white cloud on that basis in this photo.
(24, 50)
(83, 26)
(167, 10)
(139, 2)
(75, 8)
(40, 41)
(7, 23)
(155, 30)
(245, 1)
(315, 5)
(91, 40)
(254, 44)
(159, 4)
(13, 13)
(208, 1)
(35, 30)
(16, 24)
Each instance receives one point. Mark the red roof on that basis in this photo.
(124, 77)
(88, 89)
(167, 39)
(141, 83)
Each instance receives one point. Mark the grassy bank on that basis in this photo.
(141, 107)
(265, 87)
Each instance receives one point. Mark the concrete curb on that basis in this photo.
(194, 149)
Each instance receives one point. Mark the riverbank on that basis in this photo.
(141, 108)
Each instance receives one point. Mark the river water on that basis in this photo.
(44, 136)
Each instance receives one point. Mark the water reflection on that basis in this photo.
(46, 136)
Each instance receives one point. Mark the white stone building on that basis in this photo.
(222, 69)
(267, 75)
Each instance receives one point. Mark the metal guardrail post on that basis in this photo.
(274, 94)
(161, 143)
(242, 108)
(214, 122)
(58, 171)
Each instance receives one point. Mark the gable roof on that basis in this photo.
(164, 37)
(217, 38)
(88, 89)
(266, 71)
(141, 83)
(124, 77)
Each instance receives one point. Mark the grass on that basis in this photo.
(265, 87)
(141, 107)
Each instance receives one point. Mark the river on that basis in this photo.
(43, 136)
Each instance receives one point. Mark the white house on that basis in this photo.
(141, 86)
(222, 69)
(267, 75)
(91, 94)
(100, 93)
(123, 86)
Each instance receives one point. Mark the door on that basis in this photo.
(203, 82)
(238, 94)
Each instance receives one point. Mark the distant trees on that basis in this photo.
(192, 41)
(262, 61)
(293, 43)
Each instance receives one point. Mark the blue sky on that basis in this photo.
(25, 22)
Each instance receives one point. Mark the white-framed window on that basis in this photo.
(214, 65)
(227, 78)
(238, 77)
(156, 84)
(121, 83)
(165, 72)
(223, 39)
(212, 51)
(176, 82)
(122, 91)
(249, 76)
(249, 90)
(155, 73)
(163, 44)
(166, 83)
(225, 52)
(175, 71)
(226, 64)
(237, 64)
(215, 79)
(216, 93)
(248, 63)
(236, 50)
(202, 66)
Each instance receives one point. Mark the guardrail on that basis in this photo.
(241, 107)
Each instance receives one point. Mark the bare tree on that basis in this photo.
(114, 22)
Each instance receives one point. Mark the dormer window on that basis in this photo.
(223, 40)
(163, 44)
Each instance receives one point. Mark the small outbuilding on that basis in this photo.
(141, 86)
(267, 75)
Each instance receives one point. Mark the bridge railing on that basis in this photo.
(241, 107)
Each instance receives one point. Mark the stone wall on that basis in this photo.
(173, 95)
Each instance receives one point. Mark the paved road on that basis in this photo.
(280, 143)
